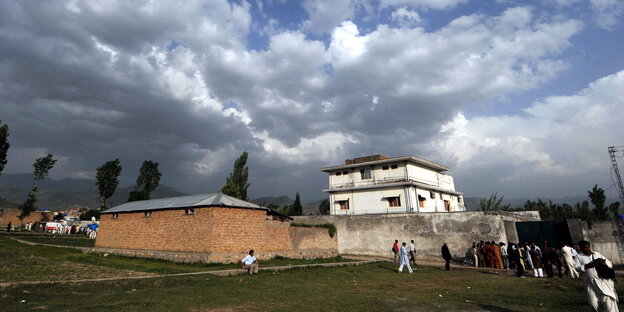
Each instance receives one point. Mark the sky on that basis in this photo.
(521, 98)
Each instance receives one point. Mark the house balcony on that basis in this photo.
(386, 180)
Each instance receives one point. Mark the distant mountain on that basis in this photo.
(7, 204)
(273, 200)
(24, 180)
(65, 193)
(308, 209)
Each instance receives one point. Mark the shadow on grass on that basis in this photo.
(489, 307)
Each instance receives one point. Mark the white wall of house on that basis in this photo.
(369, 201)
(376, 200)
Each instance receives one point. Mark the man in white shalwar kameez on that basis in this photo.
(566, 251)
(404, 260)
(600, 291)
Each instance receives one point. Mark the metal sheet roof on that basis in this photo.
(201, 200)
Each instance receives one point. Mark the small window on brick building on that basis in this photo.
(115, 216)
(148, 214)
(394, 166)
(394, 201)
(432, 194)
(345, 172)
(337, 173)
(385, 167)
(344, 204)
(189, 211)
(421, 201)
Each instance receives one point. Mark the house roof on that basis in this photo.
(190, 201)
(412, 159)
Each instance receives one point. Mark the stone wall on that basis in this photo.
(603, 239)
(10, 215)
(375, 234)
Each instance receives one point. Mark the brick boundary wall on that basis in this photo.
(210, 235)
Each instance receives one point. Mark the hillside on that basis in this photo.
(65, 193)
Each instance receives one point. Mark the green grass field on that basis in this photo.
(372, 287)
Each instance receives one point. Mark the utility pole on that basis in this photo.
(618, 179)
(617, 223)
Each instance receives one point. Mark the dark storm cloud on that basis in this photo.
(94, 81)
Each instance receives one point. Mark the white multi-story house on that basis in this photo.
(379, 184)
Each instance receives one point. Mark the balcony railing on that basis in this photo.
(385, 180)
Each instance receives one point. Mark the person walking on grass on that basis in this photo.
(395, 250)
(568, 260)
(600, 290)
(446, 254)
(404, 260)
(250, 263)
(412, 252)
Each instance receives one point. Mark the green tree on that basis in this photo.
(42, 166)
(107, 180)
(236, 184)
(598, 198)
(88, 213)
(493, 203)
(4, 145)
(148, 179)
(615, 208)
(324, 207)
(297, 209)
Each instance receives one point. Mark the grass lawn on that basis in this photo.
(20, 262)
(372, 287)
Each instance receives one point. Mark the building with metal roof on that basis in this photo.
(181, 202)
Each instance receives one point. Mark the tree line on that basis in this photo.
(598, 211)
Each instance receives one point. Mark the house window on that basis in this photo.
(115, 216)
(344, 204)
(432, 194)
(345, 172)
(365, 174)
(421, 201)
(189, 211)
(385, 167)
(447, 205)
(394, 201)
(337, 173)
(394, 166)
(148, 214)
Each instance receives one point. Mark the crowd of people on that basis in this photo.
(525, 256)
(598, 277)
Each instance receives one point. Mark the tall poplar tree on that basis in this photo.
(42, 165)
(107, 180)
(4, 145)
(147, 181)
(236, 184)
(297, 209)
